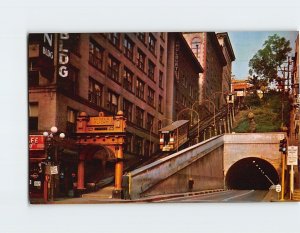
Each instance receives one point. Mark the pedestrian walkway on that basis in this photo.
(104, 193)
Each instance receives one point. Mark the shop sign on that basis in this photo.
(101, 121)
(63, 55)
(36, 142)
(37, 183)
(46, 55)
(176, 60)
(240, 93)
(53, 170)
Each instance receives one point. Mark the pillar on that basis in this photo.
(80, 175)
(117, 192)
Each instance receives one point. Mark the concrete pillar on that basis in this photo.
(80, 175)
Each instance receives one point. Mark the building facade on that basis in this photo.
(141, 74)
(101, 72)
(182, 77)
(206, 47)
(228, 52)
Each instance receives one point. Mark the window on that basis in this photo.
(128, 143)
(160, 83)
(151, 94)
(112, 101)
(71, 120)
(33, 116)
(161, 55)
(141, 60)
(75, 43)
(138, 145)
(196, 46)
(140, 87)
(33, 72)
(141, 36)
(127, 79)
(160, 101)
(95, 92)
(114, 38)
(139, 117)
(127, 109)
(113, 68)
(128, 48)
(151, 70)
(96, 53)
(150, 120)
(69, 84)
(152, 43)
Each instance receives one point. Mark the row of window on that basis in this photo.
(138, 145)
(95, 96)
(96, 58)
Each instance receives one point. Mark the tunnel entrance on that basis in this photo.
(251, 173)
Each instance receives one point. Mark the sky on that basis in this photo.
(246, 44)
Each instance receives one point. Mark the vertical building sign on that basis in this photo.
(176, 60)
(63, 55)
(46, 55)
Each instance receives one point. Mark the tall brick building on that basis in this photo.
(149, 76)
(230, 57)
(182, 77)
(209, 53)
(101, 72)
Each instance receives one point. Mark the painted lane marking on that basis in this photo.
(240, 195)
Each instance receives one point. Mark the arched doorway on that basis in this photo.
(251, 173)
(99, 164)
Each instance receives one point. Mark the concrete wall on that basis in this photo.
(206, 172)
(202, 162)
(260, 145)
(206, 163)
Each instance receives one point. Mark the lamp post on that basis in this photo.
(48, 171)
(192, 110)
(214, 113)
(219, 92)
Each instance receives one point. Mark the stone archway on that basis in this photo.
(96, 163)
(251, 173)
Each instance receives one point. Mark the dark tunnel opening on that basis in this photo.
(251, 173)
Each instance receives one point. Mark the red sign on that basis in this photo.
(36, 142)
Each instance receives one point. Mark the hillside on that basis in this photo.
(267, 114)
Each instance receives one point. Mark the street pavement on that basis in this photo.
(228, 196)
(218, 196)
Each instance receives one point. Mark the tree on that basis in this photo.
(264, 65)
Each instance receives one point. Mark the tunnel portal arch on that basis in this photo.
(251, 173)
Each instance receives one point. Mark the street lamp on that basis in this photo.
(50, 139)
(192, 110)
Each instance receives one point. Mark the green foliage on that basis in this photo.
(264, 64)
(267, 114)
(252, 100)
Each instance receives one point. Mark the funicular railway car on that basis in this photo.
(174, 136)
